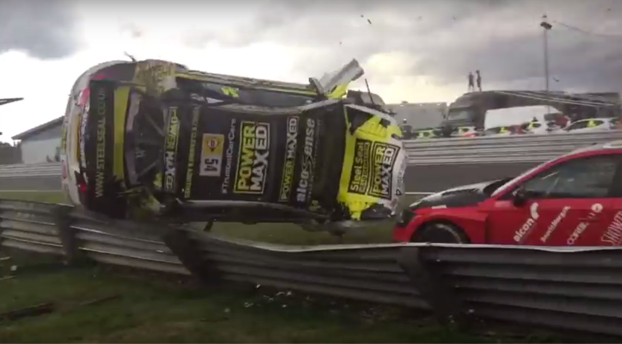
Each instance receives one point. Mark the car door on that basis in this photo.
(570, 203)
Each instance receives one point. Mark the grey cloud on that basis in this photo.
(449, 38)
(43, 29)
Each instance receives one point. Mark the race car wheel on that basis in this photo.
(441, 233)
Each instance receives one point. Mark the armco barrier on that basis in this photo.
(451, 151)
(578, 289)
(30, 170)
(502, 149)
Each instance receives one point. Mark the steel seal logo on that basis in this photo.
(359, 174)
(171, 149)
(290, 159)
(384, 156)
(100, 164)
(254, 155)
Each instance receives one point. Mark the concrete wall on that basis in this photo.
(36, 148)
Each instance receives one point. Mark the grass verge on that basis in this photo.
(156, 309)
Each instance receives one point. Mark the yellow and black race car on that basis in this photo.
(153, 138)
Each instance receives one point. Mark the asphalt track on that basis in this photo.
(430, 178)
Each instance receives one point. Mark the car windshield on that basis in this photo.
(505, 186)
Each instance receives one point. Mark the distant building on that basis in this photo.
(41, 143)
(419, 115)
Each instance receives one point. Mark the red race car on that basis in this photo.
(573, 200)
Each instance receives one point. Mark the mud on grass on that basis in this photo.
(168, 309)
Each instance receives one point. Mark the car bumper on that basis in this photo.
(401, 234)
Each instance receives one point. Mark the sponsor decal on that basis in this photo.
(523, 232)
(613, 234)
(359, 174)
(83, 115)
(308, 162)
(253, 158)
(581, 227)
(211, 155)
(171, 149)
(229, 156)
(100, 162)
(290, 159)
(192, 151)
(384, 156)
(553, 226)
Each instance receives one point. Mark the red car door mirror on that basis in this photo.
(520, 197)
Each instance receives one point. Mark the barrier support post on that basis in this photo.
(67, 235)
(438, 293)
(191, 256)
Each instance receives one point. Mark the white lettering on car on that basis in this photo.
(613, 234)
(554, 224)
(523, 232)
(581, 227)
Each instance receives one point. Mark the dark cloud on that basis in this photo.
(43, 29)
(448, 38)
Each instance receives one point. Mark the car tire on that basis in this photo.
(441, 233)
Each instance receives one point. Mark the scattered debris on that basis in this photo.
(99, 300)
(32, 311)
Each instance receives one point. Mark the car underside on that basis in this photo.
(189, 156)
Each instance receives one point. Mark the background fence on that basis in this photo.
(499, 149)
(564, 288)
(502, 149)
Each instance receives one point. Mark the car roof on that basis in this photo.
(604, 119)
(599, 146)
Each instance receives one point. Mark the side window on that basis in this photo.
(579, 125)
(581, 178)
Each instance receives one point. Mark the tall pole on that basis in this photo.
(546, 26)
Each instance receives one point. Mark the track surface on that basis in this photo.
(418, 178)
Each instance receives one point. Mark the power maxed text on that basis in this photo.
(254, 156)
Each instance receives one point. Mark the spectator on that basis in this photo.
(479, 80)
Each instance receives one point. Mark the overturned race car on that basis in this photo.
(155, 140)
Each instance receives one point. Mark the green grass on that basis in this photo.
(50, 197)
(277, 233)
(164, 308)
(156, 309)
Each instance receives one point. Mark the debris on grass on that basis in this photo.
(99, 300)
(31, 311)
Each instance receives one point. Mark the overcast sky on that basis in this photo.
(413, 50)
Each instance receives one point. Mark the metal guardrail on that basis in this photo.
(30, 170)
(451, 151)
(43, 228)
(577, 289)
(502, 149)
